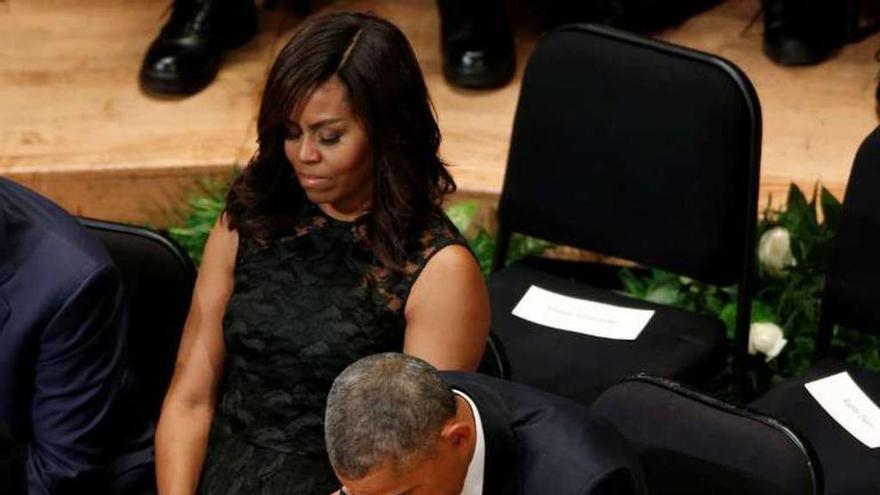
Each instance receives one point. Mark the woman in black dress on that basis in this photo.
(333, 246)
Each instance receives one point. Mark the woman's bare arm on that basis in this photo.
(182, 434)
(447, 313)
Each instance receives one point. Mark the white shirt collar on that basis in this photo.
(473, 482)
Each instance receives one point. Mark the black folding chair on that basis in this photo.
(640, 150)
(851, 298)
(493, 363)
(693, 444)
(158, 278)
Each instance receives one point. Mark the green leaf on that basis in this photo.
(798, 217)
(728, 316)
(768, 213)
(813, 198)
(714, 304)
(462, 214)
(522, 246)
(763, 312)
(831, 209)
(483, 245)
(665, 292)
(632, 284)
(201, 213)
(796, 200)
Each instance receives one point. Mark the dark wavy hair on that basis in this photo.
(376, 63)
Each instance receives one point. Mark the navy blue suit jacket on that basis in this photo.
(64, 378)
(539, 444)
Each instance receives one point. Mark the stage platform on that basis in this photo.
(75, 126)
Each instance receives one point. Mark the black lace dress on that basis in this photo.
(302, 310)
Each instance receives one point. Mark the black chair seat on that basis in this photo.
(693, 444)
(850, 467)
(675, 343)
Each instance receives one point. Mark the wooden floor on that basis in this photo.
(75, 126)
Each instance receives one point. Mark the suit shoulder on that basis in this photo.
(43, 243)
(34, 224)
(561, 443)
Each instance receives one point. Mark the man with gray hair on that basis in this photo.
(394, 425)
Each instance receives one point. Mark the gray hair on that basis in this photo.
(385, 408)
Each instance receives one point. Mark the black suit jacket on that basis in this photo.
(540, 444)
(65, 385)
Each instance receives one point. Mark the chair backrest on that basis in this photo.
(690, 443)
(494, 361)
(637, 149)
(851, 297)
(158, 278)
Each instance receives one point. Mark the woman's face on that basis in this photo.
(330, 152)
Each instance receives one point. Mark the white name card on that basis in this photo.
(581, 315)
(847, 404)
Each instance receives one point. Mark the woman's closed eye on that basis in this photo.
(329, 138)
(293, 134)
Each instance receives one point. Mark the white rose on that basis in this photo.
(766, 338)
(774, 252)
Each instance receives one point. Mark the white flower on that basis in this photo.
(766, 338)
(774, 252)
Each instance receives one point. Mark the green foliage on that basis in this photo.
(663, 287)
(207, 203)
(791, 301)
(482, 243)
(462, 215)
(203, 209)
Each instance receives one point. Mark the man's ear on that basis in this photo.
(457, 433)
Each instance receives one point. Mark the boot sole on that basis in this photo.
(491, 80)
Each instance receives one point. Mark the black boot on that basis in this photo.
(803, 32)
(476, 42)
(184, 58)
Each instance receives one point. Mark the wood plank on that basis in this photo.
(71, 99)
